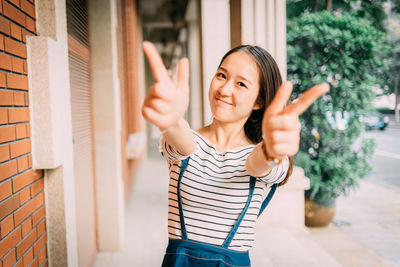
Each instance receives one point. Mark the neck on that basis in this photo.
(227, 135)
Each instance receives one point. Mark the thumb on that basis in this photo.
(280, 99)
(183, 73)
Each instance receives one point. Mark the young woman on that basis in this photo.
(223, 175)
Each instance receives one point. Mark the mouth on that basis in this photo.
(219, 100)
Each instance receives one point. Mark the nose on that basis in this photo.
(225, 89)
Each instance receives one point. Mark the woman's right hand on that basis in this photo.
(166, 102)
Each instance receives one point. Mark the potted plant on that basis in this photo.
(346, 52)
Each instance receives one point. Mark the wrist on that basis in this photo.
(171, 127)
(270, 160)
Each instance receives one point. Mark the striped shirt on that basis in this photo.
(214, 191)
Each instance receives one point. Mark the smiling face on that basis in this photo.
(234, 88)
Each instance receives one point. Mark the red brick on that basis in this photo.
(1, 7)
(3, 115)
(22, 163)
(24, 195)
(20, 131)
(23, 180)
(25, 67)
(9, 242)
(6, 98)
(38, 174)
(35, 262)
(17, 81)
(10, 259)
(38, 216)
(26, 97)
(26, 243)
(18, 115)
(37, 187)
(7, 133)
(41, 243)
(14, 47)
(17, 65)
(28, 8)
(41, 228)
(30, 24)
(19, 148)
(4, 153)
(5, 62)
(42, 255)
(15, 2)
(24, 34)
(8, 169)
(19, 98)
(26, 227)
(16, 31)
(4, 25)
(29, 160)
(24, 212)
(28, 258)
(2, 79)
(8, 206)
(13, 13)
(1, 42)
(20, 263)
(7, 225)
(5, 190)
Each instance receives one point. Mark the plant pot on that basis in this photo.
(318, 215)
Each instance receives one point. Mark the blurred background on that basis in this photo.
(82, 182)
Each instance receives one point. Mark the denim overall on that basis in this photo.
(185, 252)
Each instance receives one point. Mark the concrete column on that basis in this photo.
(216, 39)
(196, 120)
(280, 36)
(260, 25)
(107, 123)
(50, 109)
(248, 26)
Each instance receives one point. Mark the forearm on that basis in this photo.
(180, 137)
(256, 164)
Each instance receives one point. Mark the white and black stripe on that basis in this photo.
(214, 191)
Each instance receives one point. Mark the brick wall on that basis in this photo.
(22, 208)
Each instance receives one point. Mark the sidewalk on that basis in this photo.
(146, 234)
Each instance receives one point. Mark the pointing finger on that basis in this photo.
(280, 99)
(304, 101)
(156, 64)
(183, 73)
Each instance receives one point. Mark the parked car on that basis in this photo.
(375, 120)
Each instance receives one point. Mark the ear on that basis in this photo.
(258, 105)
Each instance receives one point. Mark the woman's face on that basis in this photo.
(234, 88)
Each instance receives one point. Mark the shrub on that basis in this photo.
(346, 52)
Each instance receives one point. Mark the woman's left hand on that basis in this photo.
(281, 126)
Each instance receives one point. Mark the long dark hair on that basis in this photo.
(270, 80)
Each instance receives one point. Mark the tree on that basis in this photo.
(381, 14)
(345, 51)
(393, 73)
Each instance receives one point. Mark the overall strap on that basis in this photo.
(228, 240)
(178, 192)
(267, 199)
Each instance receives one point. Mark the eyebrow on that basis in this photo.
(240, 77)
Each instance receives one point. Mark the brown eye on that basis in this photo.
(221, 75)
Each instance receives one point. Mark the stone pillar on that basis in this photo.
(107, 123)
(216, 41)
(50, 109)
(196, 98)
